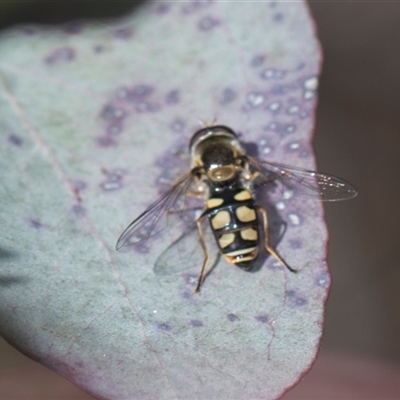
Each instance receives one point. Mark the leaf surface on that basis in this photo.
(94, 125)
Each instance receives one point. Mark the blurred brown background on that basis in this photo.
(357, 138)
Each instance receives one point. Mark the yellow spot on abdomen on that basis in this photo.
(243, 195)
(245, 214)
(226, 239)
(212, 203)
(221, 219)
(249, 234)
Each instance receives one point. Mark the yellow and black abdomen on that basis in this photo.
(234, 222)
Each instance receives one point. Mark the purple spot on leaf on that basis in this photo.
(194, 5)
(140, 91)
(116, 173)
(300, 301)
(323, 280)
(164, 326)
(196, 323)
(177, 126)
(122, 93)
(257, 61)
(136, 94)
(254, 100)
(300, 66)
(280, 90)
(290, 128)
(305, 153)
(263, 318)
(98, 48)
(265, 147)
(113, 180)
(114, 128)
(295, 299)
(172, 166)
(106, 141)
(207, 23)
(278, 17)
(162, 8)
(304, 114)
(228, 95)
(35, 223)
(63, 54)
(189, 8)
(290, 294)
(272, 73)
(169, 162)
(273, 126)
(232, 317)
(111, 112)
(79, 185)
(280, 128)
(111, 185)
(77, 209)
(15, 140)
(295, 244)
(172, 97)
(123, 33)
(144, 106)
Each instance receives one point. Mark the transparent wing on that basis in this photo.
(186, 253)
(303, 182)
(158, 216)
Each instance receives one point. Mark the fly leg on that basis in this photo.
(206, 254)
(268, 247)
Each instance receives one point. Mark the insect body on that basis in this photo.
(234, 222)
(225, 177)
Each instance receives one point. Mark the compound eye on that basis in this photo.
(220, 174)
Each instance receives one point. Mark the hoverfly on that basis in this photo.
(225, 178)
